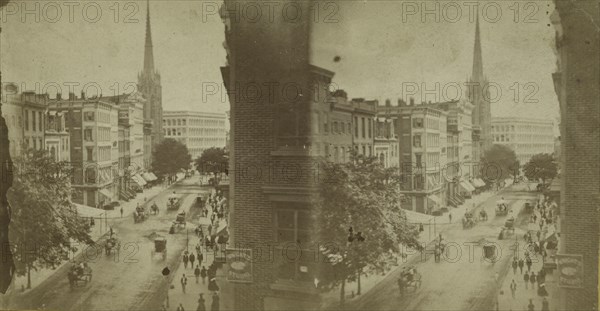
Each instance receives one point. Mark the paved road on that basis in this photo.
(461, 281)
(129, 280)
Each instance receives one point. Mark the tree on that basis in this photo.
(359, 200)
(213, 160)
(170, 157)
(541, 166)
(43, 219)
(499, 163)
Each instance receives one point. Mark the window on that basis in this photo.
(418, 122)
(27, 120)
(364, 151)
(417, 141)
(88, 116)
(292, 228)
(90, 154)
(355, 127)
(418, 158)
(363, 128)
(40, 121)
(326, 126)
(335, 129)
(34, 143)
(87, 134)
(33, 121)
(370, 127)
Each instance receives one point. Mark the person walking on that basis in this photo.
(185, 260)
(215, 305)
(201, 303)
(515, 264)
(203, 274)
(545, 305)
(401, 286)
(526, 279)
(192, 258)
(530, 306)
(183, 283)
(450, 217)
(521, 265)
(532, 279)
(197, 273)
(121, 211)
(513, 288)
(180, 308)
(199, 256)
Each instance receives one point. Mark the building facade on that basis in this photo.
(526, 137)
(385, 141)
(57, 139)
(197, 130)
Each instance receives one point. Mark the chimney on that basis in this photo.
(58, 96)
(71, 96)
(412, 101)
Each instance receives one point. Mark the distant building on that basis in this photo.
(526, 137)
(197, 130)
(57, 138)
(363, 115)
(386, 140)
(12, 111)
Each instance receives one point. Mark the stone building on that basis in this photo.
(197, 130)
(57, 138)
(526, 137)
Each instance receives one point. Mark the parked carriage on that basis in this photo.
(160, 247)
(140, 214)
(468, 220)
(112, 244)
(501, 208)
(154, 208)
(79, 275)
(173, 202)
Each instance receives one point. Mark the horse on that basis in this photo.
(154, 209)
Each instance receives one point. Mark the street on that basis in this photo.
(461, 280)
(129, 280)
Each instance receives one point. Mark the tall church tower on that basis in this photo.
(149, 86)
(478, 94)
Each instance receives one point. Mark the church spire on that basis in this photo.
(477, 74)
(148, 55)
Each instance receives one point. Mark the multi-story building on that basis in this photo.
(363, 115)
(93, 128)
(385, 140)
(197, 130)
(12, 111)
(526, 137)
(34, 109)
(57, 138)
(576, 84)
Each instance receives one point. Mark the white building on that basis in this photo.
(527, 137)
(197, 130)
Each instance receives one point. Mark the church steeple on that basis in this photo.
(148, 55)
(477, 74)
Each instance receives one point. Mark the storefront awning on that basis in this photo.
(435, 199)
(153, 176)
(466, 186)
(106, 193)
(479, 183)
(138, 180)
(86, 211)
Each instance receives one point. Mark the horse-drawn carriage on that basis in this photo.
(468, 220)
(508, 229)
(140, 214)
(528, 207)
(79, 274)
(200, 201)
(483, 216)
(410, 279)
(112, 244)
(501, 208)
(154, 209)
(179, 221)
(160, 247)
(173, 202)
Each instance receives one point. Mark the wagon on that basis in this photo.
(78, 275)
(180, 219)
(140, 214)
(160, 247)
(501, 208)
(468, 221)
(111, 245)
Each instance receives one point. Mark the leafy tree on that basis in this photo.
(43, 219)
(170, 157)
(499, 163)
(541, 166)
(213, 160)
(362, 195)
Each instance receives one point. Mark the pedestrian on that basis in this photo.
(401, 286)
(450, 217)
(529, 263)
(192, 258)
(183, 283)
(203, 274)
(530, 306)
(199, 256)
(212, 285)
(545, 305)
(185, 260)
(121, 211)
(513, 288)
(92, 222)
(521, 264)
(515, 264)
(215, 306)
(180, 308)
(197, 273)
(526, 279)
(532, 279)
(201, 303)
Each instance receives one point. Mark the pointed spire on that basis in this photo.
(148, 55)
(477, 74)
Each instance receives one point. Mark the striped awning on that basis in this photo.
(139, 180)
(466, 186)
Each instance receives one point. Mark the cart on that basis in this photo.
(483, 215)
(160, 246)
(180, 219)
(173, 202)
(79, 275)
(468, 221)
(501, 208)
(112, 244)
(509, 226)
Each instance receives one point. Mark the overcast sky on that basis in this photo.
(381, 49)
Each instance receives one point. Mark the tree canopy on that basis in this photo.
(213, 160)
(43, 220)
(499, 163)
(541, 166)
(170, 157)
(362, 195)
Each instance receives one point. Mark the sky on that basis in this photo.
(384, 51)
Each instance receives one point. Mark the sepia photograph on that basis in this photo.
(293, 155)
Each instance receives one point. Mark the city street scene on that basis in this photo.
(299, 155)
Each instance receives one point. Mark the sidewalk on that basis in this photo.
(189, 299)
(442, 224)
(100, 228)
